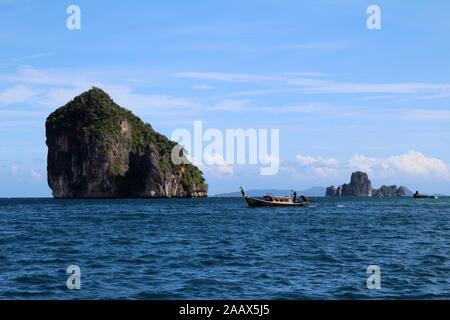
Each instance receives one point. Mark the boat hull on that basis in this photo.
(425, 197)
(263, 203)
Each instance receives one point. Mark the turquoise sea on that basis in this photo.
(218, 248)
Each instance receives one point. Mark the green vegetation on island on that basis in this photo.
(113, 153)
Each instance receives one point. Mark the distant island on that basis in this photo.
(361, 186)
(97, 149)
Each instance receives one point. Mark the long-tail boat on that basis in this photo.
(272, 201)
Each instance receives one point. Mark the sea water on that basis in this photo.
(218, 248)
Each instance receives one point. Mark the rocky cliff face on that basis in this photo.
(389, 191)
(359, 186)
(97, 149)
(331, 192)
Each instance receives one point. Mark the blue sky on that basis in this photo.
(343, 97)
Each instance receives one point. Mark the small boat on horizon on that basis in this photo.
(417, 195)
(274, 201)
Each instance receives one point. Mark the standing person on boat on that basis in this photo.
(295, 196)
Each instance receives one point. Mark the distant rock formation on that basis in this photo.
(97, 149)
(360, 186)
(331, 192)
(389, 191)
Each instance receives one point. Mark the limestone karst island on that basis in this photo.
(361, 186)
(97, 149)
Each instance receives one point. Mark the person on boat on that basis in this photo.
(304, 198)
(295, 196)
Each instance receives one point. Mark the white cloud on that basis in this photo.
(430, 114)
(16, 94)
(243, 105)
(290, 78)
(319, 86)
(305, 160)
(35, 175)
(311, 84)
(214, 165)
(52, 88)
(56, 97)
(22, 113)
(231, 77)
(299, 108)
(35, 56)
(376, 167)
(308, 82)
(411, 165)
(31, 75)
(321, 167)
(317, 161)
(357, 87)
(415, 163)
(306, 74)
(202, 87)
(233, 105)
(125, 97)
